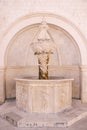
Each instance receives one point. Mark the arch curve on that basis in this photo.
(51, 19)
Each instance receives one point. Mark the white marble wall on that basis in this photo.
(75, 11)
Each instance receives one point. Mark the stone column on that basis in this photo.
(84, 84)
(43, 66)
(2, 85)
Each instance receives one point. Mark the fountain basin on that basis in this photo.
(43, 96)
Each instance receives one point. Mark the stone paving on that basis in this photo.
(80, 125)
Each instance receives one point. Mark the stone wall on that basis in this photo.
(74, 10)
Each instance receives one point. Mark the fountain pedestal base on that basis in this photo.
(43, 96)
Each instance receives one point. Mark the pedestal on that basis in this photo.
(43, 96)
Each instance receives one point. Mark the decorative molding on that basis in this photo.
(51, 68)
(44, 14)
(2, 68)
(83, 68)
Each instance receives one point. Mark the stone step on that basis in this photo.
(21, 119)
(34, 121)
(11, 117)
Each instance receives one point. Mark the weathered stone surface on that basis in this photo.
(69, 17)
(65, 118)
(43, 96)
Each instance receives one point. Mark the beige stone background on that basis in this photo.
(18, 59)
(74, 10)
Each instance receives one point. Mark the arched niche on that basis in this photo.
(20, 60)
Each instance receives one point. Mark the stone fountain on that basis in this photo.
(44, 101)
(42, 95)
